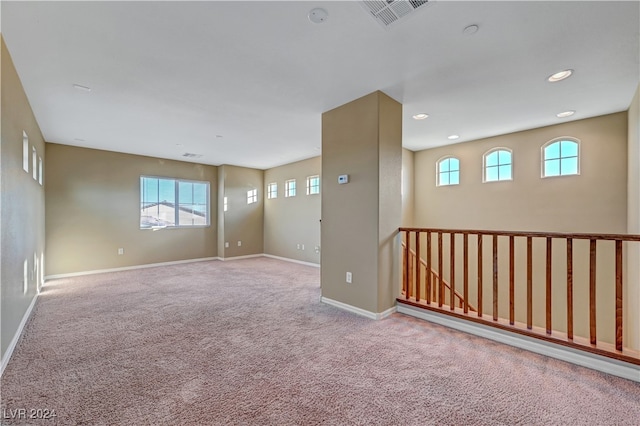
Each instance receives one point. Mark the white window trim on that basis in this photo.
(272, 195)
(309, 185)
(484, 164)
(438, 171)
(25, 151)
(177, 180)
(287, 192)
(552, 141)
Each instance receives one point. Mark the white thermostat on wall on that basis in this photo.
(343, 179)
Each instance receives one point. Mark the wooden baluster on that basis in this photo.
(511, 280)
(428, 272)
(529, 283)
(480, 275)
(452, 273)
(495, 277)
(570, 288)
(406, 264)
(618, 295)
(418, 264)
(441, 283)
(548, 286)
(465, 275)
(592, 292)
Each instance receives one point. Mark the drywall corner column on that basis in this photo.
(360, 219)
(632, 281)
(242, 225)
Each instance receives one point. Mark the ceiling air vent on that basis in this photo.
(190, 155)
(389, 12)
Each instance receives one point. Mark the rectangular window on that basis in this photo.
(25, 151)
(313, 185)
(40, 170)
(225, 204)
(35, 165)
(168, 202)
(252, 196)
(272, 190)
(290, 188)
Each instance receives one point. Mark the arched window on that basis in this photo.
(561, 157)
(497, 165)
(448, 171)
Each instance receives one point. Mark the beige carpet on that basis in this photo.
(247, 342)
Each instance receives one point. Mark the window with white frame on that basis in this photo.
(272, 190)
(561, 157)
(40, 170)
(313, 185)
(252, 196)
(225, 204)
(497, 165)
(35, 163)
(166, 202)
(25, 151)
(448, 170)
(290, 188)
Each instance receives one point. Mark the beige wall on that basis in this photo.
(242, 222)
(292, 224)
(22, 199)
(632, 295)
(595, 201)
(407, 187)
(93, 208)
(360, 219)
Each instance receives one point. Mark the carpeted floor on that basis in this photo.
(247, 342)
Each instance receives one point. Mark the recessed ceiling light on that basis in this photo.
(420, 116)
(81, 87)
(565, 114)
(453, 137)
(318, 15)
(559, 76)
(470, 29)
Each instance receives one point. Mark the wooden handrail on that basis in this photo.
(546, 326)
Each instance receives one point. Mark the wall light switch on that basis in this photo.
(343, 179)
(349, 277)
(120, 251)
(226, 244)
(239, 243)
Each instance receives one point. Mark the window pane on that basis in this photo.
(444, 165)
(569, 166)
(444, 178)
(185, 192)
(569, 149)
(492, 174)
(200, 197)
(492, 159)
(167, 188)
(454, 178)
(552, 168)
(454, 164)
(149, 191)
(504, 172)
(504, 157)
(552, 151)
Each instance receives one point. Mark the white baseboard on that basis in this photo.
(128, 268)
(16, 337)
(574, 356)
(287, 259)
(358, 311)
(248, 256)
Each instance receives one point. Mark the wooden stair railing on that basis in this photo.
(435, 278)
(546, 328)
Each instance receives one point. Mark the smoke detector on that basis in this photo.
(390, 12)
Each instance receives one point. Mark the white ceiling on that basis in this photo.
(168, 77)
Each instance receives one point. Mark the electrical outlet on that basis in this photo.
(239, 243)
(349, 277)
(226, 244)
(120, 251)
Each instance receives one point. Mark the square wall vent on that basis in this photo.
(390, 12)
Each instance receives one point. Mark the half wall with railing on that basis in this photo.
(563, 288)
